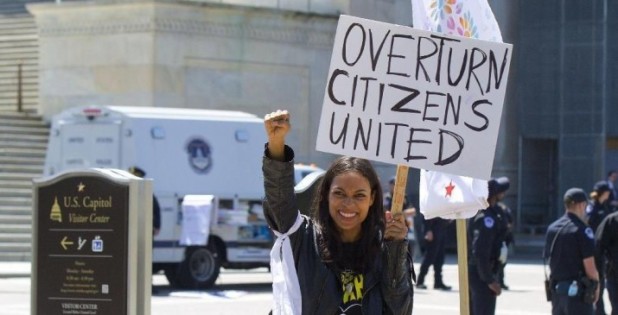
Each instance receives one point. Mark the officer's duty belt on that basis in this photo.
(562, 287)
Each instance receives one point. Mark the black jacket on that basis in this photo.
(607, 244)
(487, 232)
(387, 289)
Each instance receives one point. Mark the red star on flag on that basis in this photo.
(449, 189)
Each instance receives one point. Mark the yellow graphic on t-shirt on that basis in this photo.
(352, 285)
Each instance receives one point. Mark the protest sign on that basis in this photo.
(422, 99)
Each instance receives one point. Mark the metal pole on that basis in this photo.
(19, 91)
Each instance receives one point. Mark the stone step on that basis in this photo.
(15, 176)
(10, 78)
(12, 101)
(9, 69)
(10, 84)
(8, 81)
(15, 238)
(10, 92)
(16, 49)
(18, 29)
(16, 193)
(31, 93)
(41, 130)
(17, 20)
(24, 248)
(28, 68)
(15, 202)
(21, 184)
(27, 184)
(25, 18)
(16, 116)
(15, 210)
(25, 145)
(18, 153)
(25, 44)
(15, 228)
(20, 116)
(18, 41)
(16, 56)
(17, 256)
(36, 161)
(19, 168)
(25, 107)
(22, 137)
(20, 37)
(15, 219)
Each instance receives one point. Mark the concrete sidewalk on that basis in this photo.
(14, 269)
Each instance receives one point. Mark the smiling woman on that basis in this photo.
(349, 256)
(349, 200)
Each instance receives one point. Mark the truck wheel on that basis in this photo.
(200, 268)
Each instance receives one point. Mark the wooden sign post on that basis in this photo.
(462, 263)
(399, 193)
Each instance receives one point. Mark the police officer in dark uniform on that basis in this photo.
(156, 210)
(596, 211)
(435, 240)
(607, 247)
(569, 248)
(488, 231)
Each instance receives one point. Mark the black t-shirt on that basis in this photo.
(352, 287)
(352, 284)
(574, 243)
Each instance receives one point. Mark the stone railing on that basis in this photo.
(307, 6)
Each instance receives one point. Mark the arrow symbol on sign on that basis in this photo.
(80, 243)
(65, 242)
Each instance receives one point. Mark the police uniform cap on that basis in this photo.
(137, 171)
(601, 187)
(498, 185)
(575, 195)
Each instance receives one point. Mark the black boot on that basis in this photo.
(420, 283)
(442, 286)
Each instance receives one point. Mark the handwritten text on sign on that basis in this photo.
(404, 96)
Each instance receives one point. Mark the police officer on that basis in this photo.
(508, 240)
(599, 207)
(607, 247)
(488, 231)
(156, 210)
(569, 248)
(435, 240)
(596, 211)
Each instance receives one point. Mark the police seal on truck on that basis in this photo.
(200, 158)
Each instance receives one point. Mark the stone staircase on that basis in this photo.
(23, 141)
(23, 135)
(18, 46)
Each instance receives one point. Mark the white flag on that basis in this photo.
(451, 196)
(469, 18)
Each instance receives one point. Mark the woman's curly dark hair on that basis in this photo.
(372, 229)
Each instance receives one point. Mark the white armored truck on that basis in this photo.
(186, 152)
